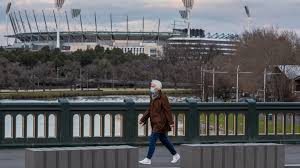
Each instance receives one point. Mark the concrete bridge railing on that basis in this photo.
(65, 123)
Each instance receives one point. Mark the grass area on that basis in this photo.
(68, 93)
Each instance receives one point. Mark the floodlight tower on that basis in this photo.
(7, 13)
(248, 13)
(58, 4)
(188, 4)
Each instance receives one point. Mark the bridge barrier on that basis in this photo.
(248, 155)
(82, 157)
(64, 123)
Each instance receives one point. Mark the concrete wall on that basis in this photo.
(82, 157)
(233, 156)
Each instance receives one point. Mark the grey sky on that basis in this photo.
(212, 15)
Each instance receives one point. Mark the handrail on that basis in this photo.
(65, 123)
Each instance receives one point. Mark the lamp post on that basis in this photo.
(214, 72)
(265, 81)
(238, 72)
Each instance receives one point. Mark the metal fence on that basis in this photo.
(65, 123)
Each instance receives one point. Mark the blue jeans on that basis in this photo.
(164, 140)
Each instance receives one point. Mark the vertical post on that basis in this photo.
(64, 122)
(174, 26)
(127, 29)
(12, 24)
(203, 85)
(80, 72)
(213, 85)
(158, 31)
(37, 27)
(237, 83)
(57, 29)
(111, 27)
(96, 28)
(28, 25)
(6, 28)
(81, 26)
(16, 19)
(67, 19)
(130, 128)
(143, 30)
(46, 27)
(192, 122)
(57, 41)
(87, 80)
(252, 118)
(2, 128)
(265, 82)
(22, 22)
(189, 23)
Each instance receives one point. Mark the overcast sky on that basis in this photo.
(212, 15)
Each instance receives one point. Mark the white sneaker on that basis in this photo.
(146, 161)
(176, 157)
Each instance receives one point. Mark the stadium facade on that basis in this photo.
(33, 31)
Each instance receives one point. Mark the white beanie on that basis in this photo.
(156, 84)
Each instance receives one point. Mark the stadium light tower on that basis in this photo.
(186, 14)
(248, 13)
(58, 4)
(7, 13)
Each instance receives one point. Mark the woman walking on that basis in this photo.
(161, 120)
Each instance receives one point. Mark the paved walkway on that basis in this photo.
(14, 158)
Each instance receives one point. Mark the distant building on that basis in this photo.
(292, 73)
(39, 31)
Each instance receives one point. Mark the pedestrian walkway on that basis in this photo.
(15, 158)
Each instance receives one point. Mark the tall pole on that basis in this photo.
(28, 25)
(265, 81)
(213, 85)
(57, 30)
(203, 85)
(96, 28)
(80, 73)
(111, 27)
(158, 29)
(21, 19)
(127, 29)
(6, 29)
(67, 19)
(189, 23)
(237, 83)
(143, 30)
(81, 27)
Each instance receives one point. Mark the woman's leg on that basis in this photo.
(165, 141)
(152, 143)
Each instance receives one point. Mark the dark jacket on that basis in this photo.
(160, 114)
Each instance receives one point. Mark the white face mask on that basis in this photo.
(152, 90)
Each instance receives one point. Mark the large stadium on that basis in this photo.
(75, 29)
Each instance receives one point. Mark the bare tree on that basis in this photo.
(44, 72)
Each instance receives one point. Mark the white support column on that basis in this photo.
(57, 31)
(237, 83)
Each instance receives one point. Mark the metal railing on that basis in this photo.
(65, 123)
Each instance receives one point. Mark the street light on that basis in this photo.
(58, 4)
(237, 81)
(265, 80)
(214, 75)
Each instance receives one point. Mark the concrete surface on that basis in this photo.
(15, 158)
